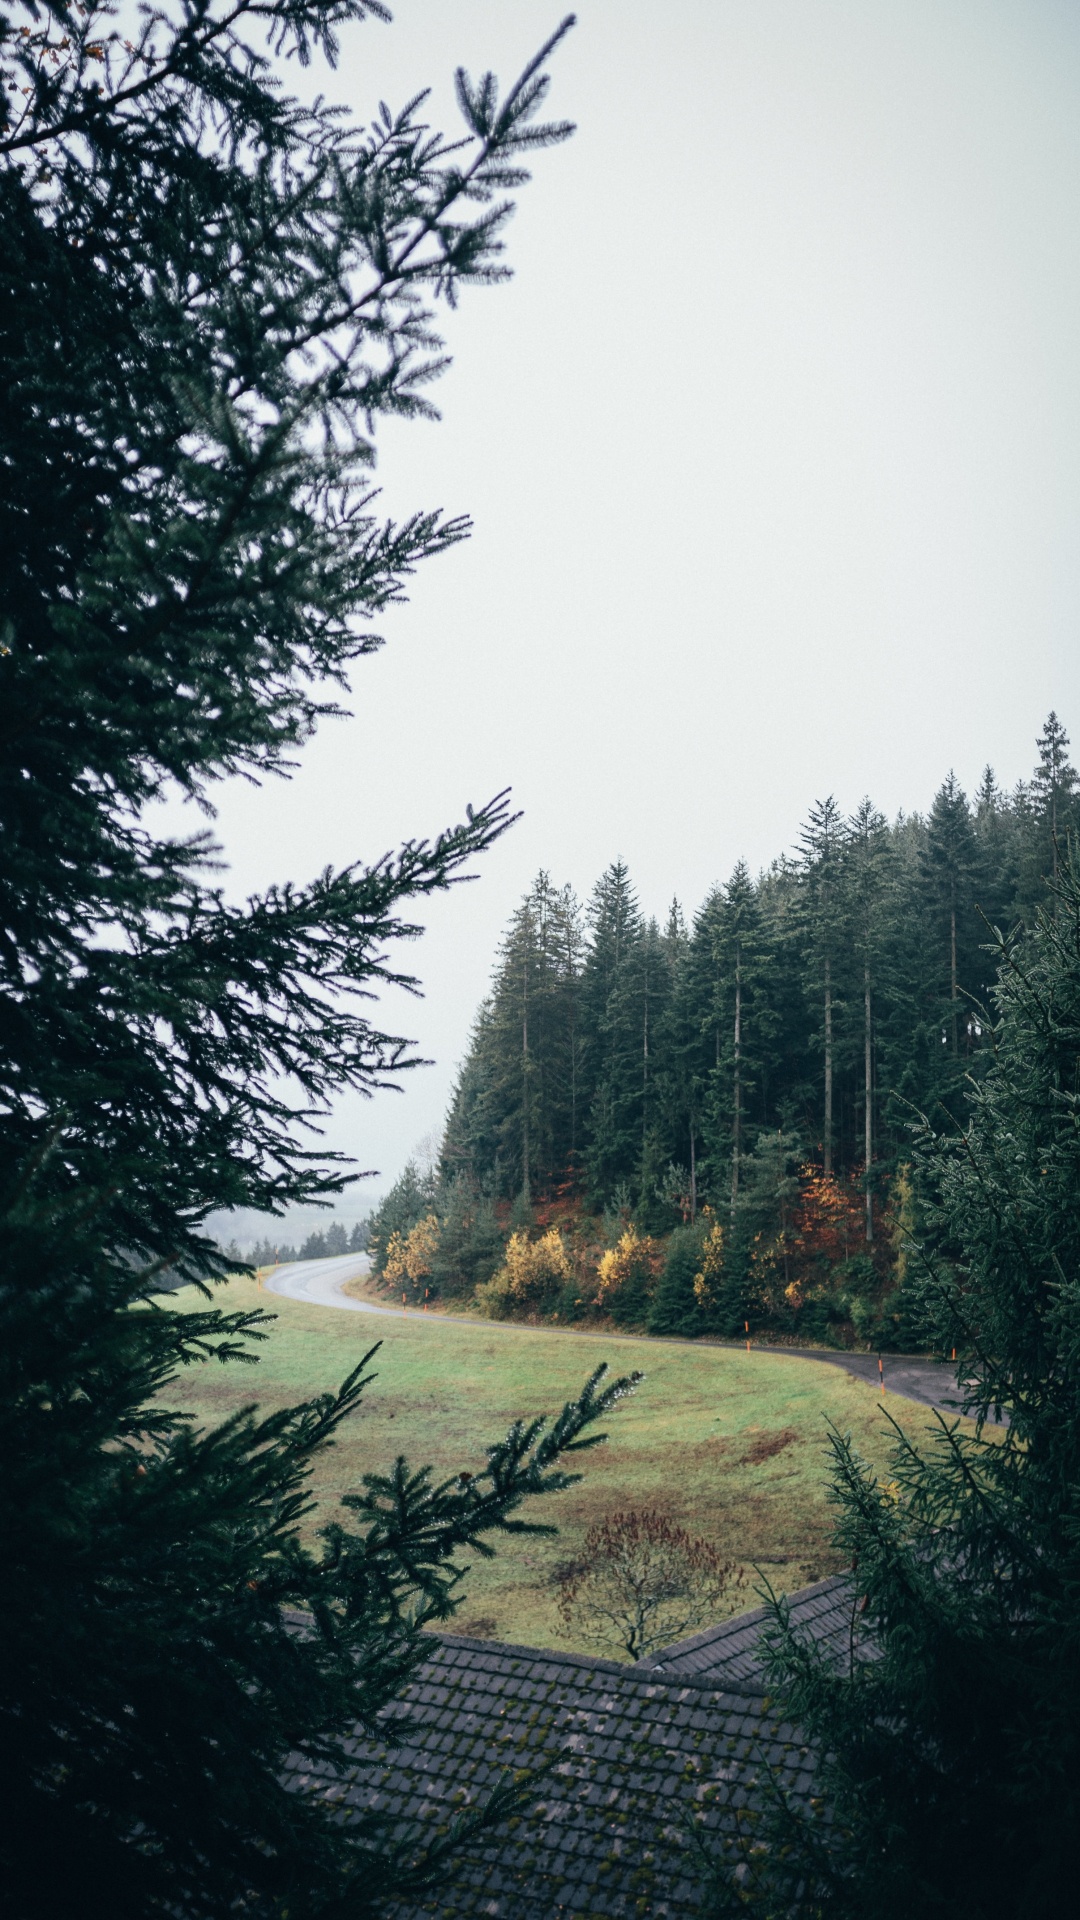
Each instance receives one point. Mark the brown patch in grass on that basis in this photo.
(474, 1626)
(768, 1444)
(711, 1450)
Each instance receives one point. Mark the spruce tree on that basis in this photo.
(514, 1118)
(868, 866)
(949, 873)
(822, 842)
(409, 1199)
(681, 1068)
(210, 294)
(731, 927)
(646, 1000)
(614, 1026)
(676, 1308)
(1054, 790)
(996, 853)
(470, 1244)
(949, 1743)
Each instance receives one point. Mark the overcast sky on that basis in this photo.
(773, 451)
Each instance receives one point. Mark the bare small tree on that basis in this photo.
(642, 1582)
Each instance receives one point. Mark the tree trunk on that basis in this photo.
(786, 1250)
(693, 1175)
(868, 1082)
(952, 972)
(736, 1149)
(828, 1065)
(645, 1076)
(525, 1090)
(573, 1050)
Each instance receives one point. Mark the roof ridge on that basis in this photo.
(624, 1670)
(737, 1623)
(563, 1655)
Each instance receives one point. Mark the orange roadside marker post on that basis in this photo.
(426, 1292)
(746, 1326)
(881, 1372)
(404, 1303)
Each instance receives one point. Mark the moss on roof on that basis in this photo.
(633, 1758)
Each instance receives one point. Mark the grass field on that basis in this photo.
(729, 1443)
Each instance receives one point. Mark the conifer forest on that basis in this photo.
(712, 1125)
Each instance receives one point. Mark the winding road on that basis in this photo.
(320, 1283)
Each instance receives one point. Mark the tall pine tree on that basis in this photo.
(1055, 796)
(949, 872)
(210, 294)
(515, 1116)
(822, 843)
(948, 1734)
(614, 1005)
(867, 873)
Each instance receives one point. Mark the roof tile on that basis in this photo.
(632, 1750)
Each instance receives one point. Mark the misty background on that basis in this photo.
(772, 447)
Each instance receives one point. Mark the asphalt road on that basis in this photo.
(321, 1281)
(911, 1376)
(933, 1382)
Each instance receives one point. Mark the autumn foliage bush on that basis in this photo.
(411, 1256)
(531, 1278)
(643, 1582)
(790, 1261)
(626, 1277)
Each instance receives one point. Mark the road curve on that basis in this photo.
(909, 1376)
(320, 1282)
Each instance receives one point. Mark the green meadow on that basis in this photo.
(731, 1444)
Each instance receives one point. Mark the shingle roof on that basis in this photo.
(634, 1757)
(823, 1613)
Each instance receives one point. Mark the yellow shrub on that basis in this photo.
(610, 1270)
(409, 1260)
(626, 1277)
(532, 1273)
(616, 1265)
(707, 1279)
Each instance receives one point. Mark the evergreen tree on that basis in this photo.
(470, 1245)
(951, 1758)
(614, 1000)
(951, 956)
(470, 1143)
(822, 843)
(409, 1199)
(676, 1308)
(211, 294)
(649, 983)
(1054, 793)
(758, 1271)
(997, 857)
(514, 1118)
(732, 928)
(867, 881)
(514, 1028)
(681, 1070)
(632, 1300)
